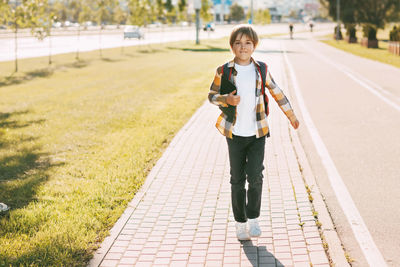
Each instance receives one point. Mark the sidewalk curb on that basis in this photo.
(105, 246)
(328, 232)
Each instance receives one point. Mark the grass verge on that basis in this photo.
(77, 141)
(380, 54)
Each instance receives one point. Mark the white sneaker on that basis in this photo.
(241, 231)
(254, 228)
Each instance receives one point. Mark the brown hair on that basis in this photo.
(245, 29)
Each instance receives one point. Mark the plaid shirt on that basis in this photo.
(225, 126)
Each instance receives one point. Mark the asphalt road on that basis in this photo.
(354, 104)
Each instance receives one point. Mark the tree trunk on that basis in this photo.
(50, 61)
(16, 46)
(394, 48)
(369, 43)
(77, 46)
(101, 55)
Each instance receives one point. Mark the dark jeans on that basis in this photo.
(246, 156)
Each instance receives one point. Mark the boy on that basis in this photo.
(247, 128)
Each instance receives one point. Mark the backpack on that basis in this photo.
(262, 70)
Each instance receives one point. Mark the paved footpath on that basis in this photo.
(182, 215)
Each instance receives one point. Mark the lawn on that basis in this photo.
(380, 54)
(77, 141)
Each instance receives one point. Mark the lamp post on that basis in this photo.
(197, 6)
(338, 20)
(251, 12)
(222, 18)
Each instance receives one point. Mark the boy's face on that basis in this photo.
(243, 48)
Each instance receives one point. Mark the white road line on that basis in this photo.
(363, 236)
(369, 85)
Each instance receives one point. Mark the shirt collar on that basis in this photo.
(231, 63)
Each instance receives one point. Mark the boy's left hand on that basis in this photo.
(295, 124)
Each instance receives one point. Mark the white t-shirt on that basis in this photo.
(246, 110)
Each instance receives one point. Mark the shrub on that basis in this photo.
(370, 32)
(340, 33)
(394, 34)
(351, 30)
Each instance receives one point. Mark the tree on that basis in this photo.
(263, 16)
(160, 11)
(84, 13)
(4, 12)
(375, 12)
(170, 10)
(60, 11)
(119, 16)
(136, 12)
(205, 10)
(17, 18)
(363, 11)
(102, 15)
(236, 12)
(41, 19)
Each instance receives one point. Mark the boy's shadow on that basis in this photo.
(259, 256)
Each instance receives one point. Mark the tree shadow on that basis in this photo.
(62, 250)
(106, 59)
(23, 164)
(150, 51)
(27, 76)
(18, 78)
(208, 48)
(259, 255)
(78, 64)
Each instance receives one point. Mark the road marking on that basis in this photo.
(360, 230)
(369, 85)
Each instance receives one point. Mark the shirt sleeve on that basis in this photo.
(280, 98)
(214, 95)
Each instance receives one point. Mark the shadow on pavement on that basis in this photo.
(259, 255)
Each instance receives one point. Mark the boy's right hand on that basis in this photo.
(233, 99)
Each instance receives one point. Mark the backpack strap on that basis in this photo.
(226, 70)
(263, 70)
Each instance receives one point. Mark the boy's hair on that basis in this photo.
(245, 29)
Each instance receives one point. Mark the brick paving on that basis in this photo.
(182, 215)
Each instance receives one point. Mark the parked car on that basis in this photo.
(209, 27)
(132, 31)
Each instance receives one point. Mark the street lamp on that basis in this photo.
(197, 6)
(251, 12)
(338, 20)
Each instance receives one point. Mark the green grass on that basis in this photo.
(77, 141)
(380, 54)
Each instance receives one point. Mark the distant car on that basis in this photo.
(132, 31)
(209, 27)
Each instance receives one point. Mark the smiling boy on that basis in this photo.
(246, 131)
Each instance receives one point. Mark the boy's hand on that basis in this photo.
(233, 99)
(295, 124)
